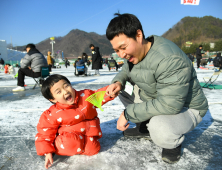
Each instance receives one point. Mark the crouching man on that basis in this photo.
(162, 94)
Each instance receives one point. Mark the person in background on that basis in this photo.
(11, 69)
(53, 62)
(96, 59)
(30, 66)
(78, 59)
(159, 86)
(218, 61)
(203, 62)
(66, 62)
(191, 57)
(6, 68)
(88, 63)
(84, 57)
(49, 60)
(2, 62)
(80, 67)
(17, 65)
(199, 55)
(112, 63)
(106, 62)
(209, 60)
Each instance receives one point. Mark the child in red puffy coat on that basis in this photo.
(6, 68)
(71, 125)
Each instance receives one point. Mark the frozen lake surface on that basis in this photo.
(20, 112)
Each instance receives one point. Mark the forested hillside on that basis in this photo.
(196, 30)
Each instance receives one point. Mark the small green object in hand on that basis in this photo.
(96, 99)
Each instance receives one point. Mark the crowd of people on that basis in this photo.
(32, 62)
(83, 62)
(8, 68)
(201, 61)
(97, 62)
(162, 97)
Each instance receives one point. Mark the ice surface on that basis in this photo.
(20, 112)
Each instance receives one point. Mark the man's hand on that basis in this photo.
(48, 160)
(122, 123)
(114, 89)
(29, 67)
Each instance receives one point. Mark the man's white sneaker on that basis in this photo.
(96, 74)
(19, 88)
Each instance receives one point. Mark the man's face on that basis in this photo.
(63, 93)
(92, 48)
(27, 49)
(128, 48)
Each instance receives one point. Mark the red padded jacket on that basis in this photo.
(70, 129)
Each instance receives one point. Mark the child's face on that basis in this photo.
(63, 93)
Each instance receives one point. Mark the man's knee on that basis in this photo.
(160, 130)
(22, 71)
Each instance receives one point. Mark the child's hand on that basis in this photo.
(48, 160)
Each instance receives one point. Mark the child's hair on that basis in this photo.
(49, 82)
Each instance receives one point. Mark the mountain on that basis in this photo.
(196, 30)
(75, 43)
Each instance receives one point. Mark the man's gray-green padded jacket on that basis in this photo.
(167, 82)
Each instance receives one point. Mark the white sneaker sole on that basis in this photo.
(19, 90)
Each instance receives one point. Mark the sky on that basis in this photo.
(23, 21)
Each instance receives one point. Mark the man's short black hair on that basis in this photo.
(91, 45)
(30, 46)
(127, 24)
(49, 82)
(200, 46)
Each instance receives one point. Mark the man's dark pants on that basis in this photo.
(50, 67)
(198, 63)
(22, 72)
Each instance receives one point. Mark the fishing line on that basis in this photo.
(92, 16)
